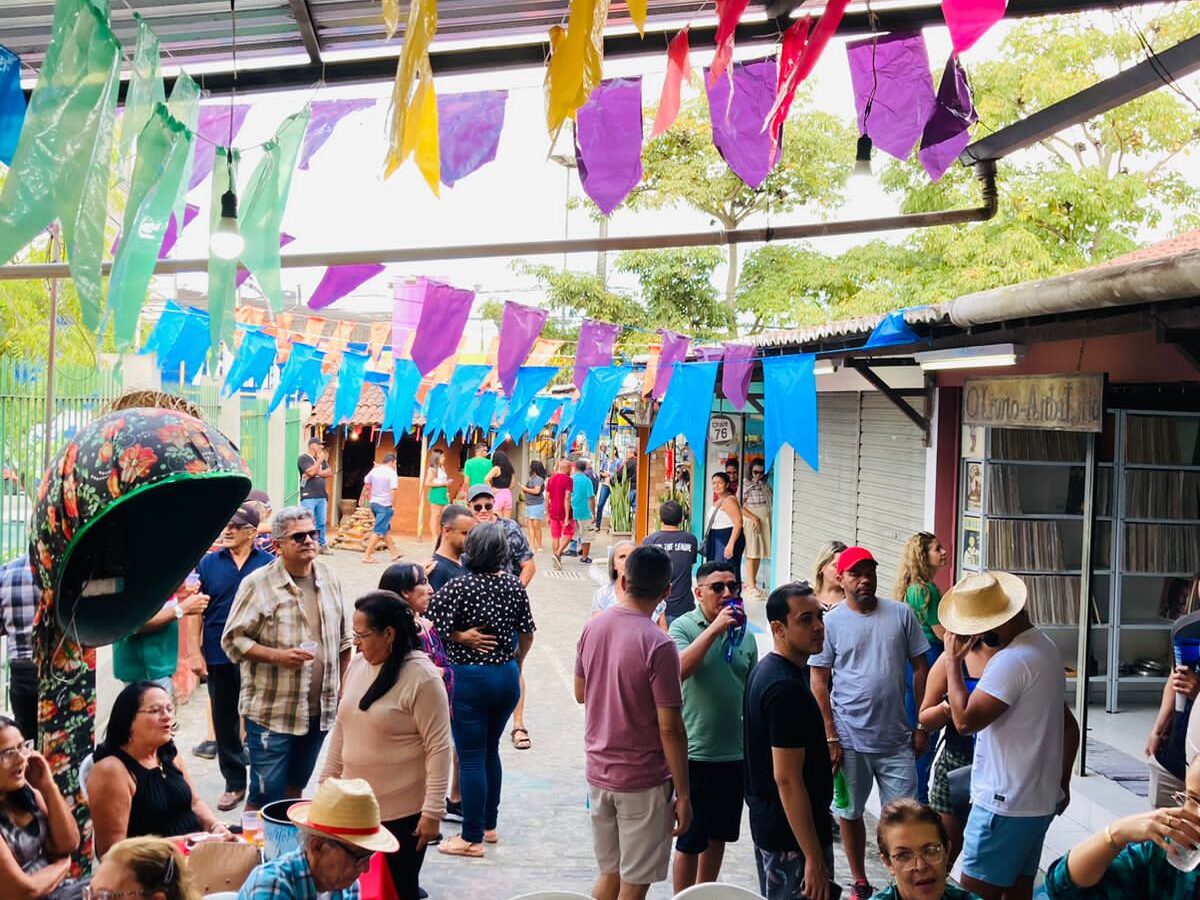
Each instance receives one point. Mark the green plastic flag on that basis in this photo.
(162, 149)
(261, 215)
(222, 290)
(184, 106)
(64, 157)
(145, 91)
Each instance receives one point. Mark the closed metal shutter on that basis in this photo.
(891, 483)
(823, 505)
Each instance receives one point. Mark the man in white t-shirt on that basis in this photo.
(378, 488)
(1026, 737)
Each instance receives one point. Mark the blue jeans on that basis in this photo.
(280, 761)
(912, 704)
(318, 506)
(601, 502)
(484, 698)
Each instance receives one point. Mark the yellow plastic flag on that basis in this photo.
(421, 130)
(637, 12)
(576, 64)
(422, 25)
(391, 16)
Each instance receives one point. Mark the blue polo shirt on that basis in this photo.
(220, 578)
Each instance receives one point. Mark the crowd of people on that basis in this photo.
(951, 706)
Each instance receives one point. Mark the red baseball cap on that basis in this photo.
(852, 556)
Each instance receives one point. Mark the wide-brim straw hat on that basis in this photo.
(979, 603)
(345, 810)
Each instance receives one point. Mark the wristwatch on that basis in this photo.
(921, 727)
(178, 611)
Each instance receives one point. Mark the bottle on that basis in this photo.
(841, 792)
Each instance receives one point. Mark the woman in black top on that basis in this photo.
(139, 785)
(480, 613)
(500, 479)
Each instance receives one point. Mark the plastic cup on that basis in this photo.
(1181, 857)
(309, 647)
(251, 826)
(1187, 655)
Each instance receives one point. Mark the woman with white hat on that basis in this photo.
(341, 832)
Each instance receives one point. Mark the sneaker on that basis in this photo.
(453, 811)
(205, 750)
(422, 893)
(862, 890)
(585, 560)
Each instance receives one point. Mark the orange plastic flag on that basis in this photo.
(651, 373)
(379, 335)
(679, 67)
(543, 352)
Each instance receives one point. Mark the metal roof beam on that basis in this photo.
(1182, 59)
(308, 31)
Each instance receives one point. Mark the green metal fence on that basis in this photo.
(79, 394)
(293, 426)
(255, 441)
(205, 396)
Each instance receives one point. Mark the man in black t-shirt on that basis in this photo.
(789, 782)
(457, 523)
(314, 469)
(683, 548)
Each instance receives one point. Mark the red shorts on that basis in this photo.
(560, 528)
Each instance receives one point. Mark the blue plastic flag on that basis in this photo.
(893, 330)
(312, 381)
(595, 402)
(402, 397)
(790, 407)
(350, 386)
(460, 397)
(484, 411)
(538, 414)
(188, 351)
(12, 105)
(289, 378)
(435, 412)
(165, 330)
(567, 418)
(681, 412)
(254, 359)
(530, 380)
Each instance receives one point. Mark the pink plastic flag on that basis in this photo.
(947, 131)
(444, 313)
(243, 274)
(595, 347)
(519, 330)
(608, 142)
(406, 313)
(893, 90)
(213, 130)
(790, 52)
(679, 67)
(338, 281)
(968, 20)
(729, 13)
(469, 127)
(674, 349)
(737, 370)
(737, 120)
(325, 116)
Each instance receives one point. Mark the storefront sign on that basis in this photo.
(1057, 402)
(722, 431)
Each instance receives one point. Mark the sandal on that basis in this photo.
(521, 743)
(456, 846)
(491, 836)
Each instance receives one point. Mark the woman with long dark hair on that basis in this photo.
(480, 613)
(139, 786)
(724, 540)
(393, 731)
(409, 582)
(534, 490)
(500, 479)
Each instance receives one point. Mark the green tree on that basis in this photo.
(677, 289)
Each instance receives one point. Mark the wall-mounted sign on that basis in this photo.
(722, 431)
(1056, 402)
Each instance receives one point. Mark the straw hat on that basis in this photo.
(979, 603)
(345, 810)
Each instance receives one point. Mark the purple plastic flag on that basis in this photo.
(406, 313)
(190, 211)
(213, 129)
(243, 274)
(323, 118)
(946, 132)
(608, 142)
(595, 347)
(891, 76)
(674, 349)
(968, 20)
(519, 329)
(338, 281)
(444, 312)
(469, 127)
(737, 120)
(709, 354)
(735, 375)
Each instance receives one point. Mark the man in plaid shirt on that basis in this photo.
(19, 595)
(289, 633)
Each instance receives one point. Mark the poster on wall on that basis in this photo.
(971, 544)
(972, 441)
(974, 487)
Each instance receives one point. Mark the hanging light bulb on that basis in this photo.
(862, 157)
(227, 241)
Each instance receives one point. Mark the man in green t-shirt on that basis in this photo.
(713, 691)
(476, 469)
(152, 652)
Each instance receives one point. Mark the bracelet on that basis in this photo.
(1108, 838)
(833, 740)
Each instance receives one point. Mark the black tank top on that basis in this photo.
(162, 800)
(504, 479)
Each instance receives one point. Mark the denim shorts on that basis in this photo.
(280, 761)
(536, 513)
(383, 518)
(896, 773)
(998, 849)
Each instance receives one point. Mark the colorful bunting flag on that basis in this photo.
(680, 412)
(165, 330)
(893, 90)
(729, 13)
(12, 105)
(969, 20)
(892, 330)
(435, 412)
(461, 395)
(519, 330)
(674, 350)
(790, 407)
(402, 397)
(576, 62)
(312, 379)
(414, 112)
(187, 352)
(596, 401)
(289, 379)
(738, 107)
(145, 90)
(595, 347)
(830, 19)
(338, 281)
(537, 416)
(391, 17)
(174, 229)
(608, 142)
(790, 52)
(406, 313)
(183, 104)
(244, 274)
(254, 359)
(947, 132)
(484, 411)
(679, 67)
(212, 131)
(350, 386)
(736, 374)
(469, 127)
(529, 381)
(326, 114)
(444, 314)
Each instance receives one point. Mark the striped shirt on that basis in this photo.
(268, 611)
(19, 595)
(288, 877)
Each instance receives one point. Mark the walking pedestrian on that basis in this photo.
(868, 643)
(221, 574)
(393, 731)
(915, 848)
(379, 489)
(19, 596)
(500, 479)
(314, 496)
(923, 557)
(757, 501)
(480, 613)
(683, 549)
(437, 485)
(714, 661)
(476, 469)
(558, 510)
(723, 538)
(789, 781)
(825, 583)
(288, 632)
(535, 503)
(608, 465)
(1025, 738)
(583, 502)
(627, 677)
(456, 524)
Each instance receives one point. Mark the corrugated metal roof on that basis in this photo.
(863, 325)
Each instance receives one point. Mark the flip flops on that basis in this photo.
(521, 743)
(456, 846)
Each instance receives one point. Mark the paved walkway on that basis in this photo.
(545, 839)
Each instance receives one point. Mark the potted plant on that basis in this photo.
(622, 509)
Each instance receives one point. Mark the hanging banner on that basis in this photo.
(461, 394)
(735, 377)
(253, 362)
(529, 381)
(406, 313)
(326, 114)
(212, 131)
(165, 330)
(188, 350)
(183, 104)
(596, 401)
(538, 416)
(595, 347)
(312, 379)
(469, 127)
(566, 418)
(435, 413)
(892, 331)
(682, 411)
(947, 132)
(519, 330)
(12, 105)
(969, 20)
(679, 67)
(674, 350)
(709, 354)
(289, 378)
(790, 407)
(350, 386)
(484, 411)
(377, 338)
(244, 274)
(790, 54)
(608, 142)
(174, 229)
(444, 314)
(338, 281)
(830, 19)
(893, 90)
(401, 398)
(145, 90)
(576, 62)
(738, 112)
(544, 352)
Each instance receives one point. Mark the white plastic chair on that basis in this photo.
(715, 890)
(553, 895)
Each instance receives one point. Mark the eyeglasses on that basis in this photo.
(907, 859)
(756, 471)
(91, 893)
(722, 587)
(363, 635)
(362, 859)
(480, 507)
(156, 711)
(1181, 798)
(303, 537)
(12, 754)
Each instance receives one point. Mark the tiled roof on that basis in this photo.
(369, 412)
(1188, 242)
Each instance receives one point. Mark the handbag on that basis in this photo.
(709, 550)
(218, 866)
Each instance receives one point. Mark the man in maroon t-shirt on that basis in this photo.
(558, 509)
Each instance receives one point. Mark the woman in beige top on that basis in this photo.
(393, 730)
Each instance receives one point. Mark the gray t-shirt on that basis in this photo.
(868, 654)
(536, 481)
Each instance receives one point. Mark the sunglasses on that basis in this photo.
(480, 507)
(302, 537)
(722, 587)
